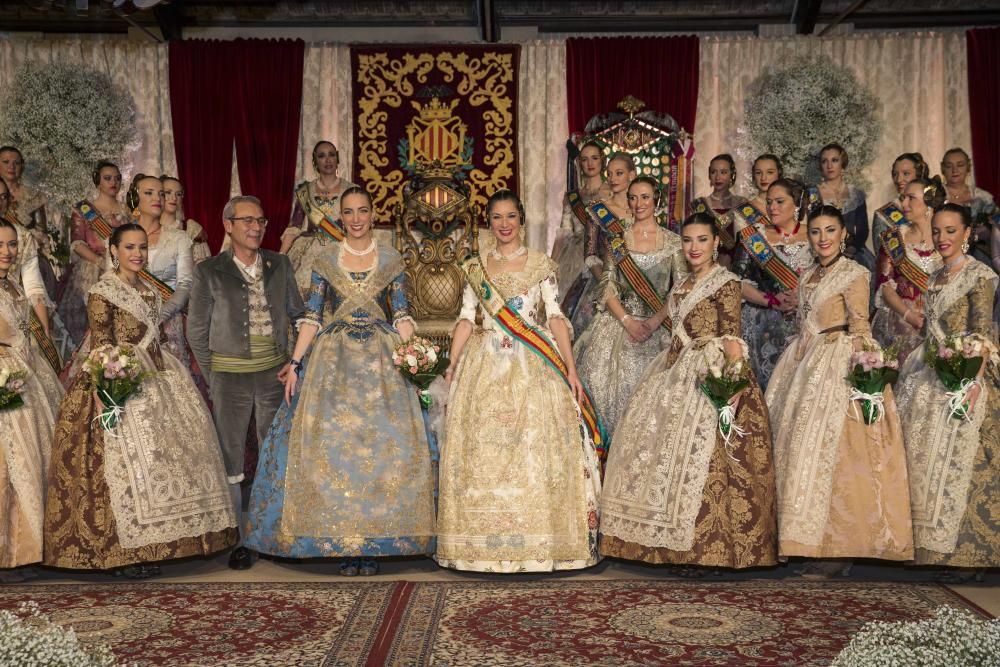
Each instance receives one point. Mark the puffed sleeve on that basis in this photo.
(550, 297)
(101, 320)
(856, 304)
(78, 231)
(31, 274)
(185, 274)
(593, 249)
(399, 304)
(885, 274)
(609, 287)
(981, 308)
(469, 303)
(314, 302)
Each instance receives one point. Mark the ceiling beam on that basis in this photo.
(804, 15)
(170, 19)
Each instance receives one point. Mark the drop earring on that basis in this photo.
(114, 262)
(965, 247)
(843, 247)
(715, 255)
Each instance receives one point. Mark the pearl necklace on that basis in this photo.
(358, 253)
(500, 257)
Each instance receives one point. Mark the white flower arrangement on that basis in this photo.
(952, 638)
(794, 111)
(29, 639)
(64, 118)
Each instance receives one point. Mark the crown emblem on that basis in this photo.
(435, 109)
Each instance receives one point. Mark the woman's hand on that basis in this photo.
(291, 380)
(914, 318)
(449, 375)
(788, 302)
(576, 386)
(735, 401)
(972, 396)
(405, 329)
(637, 330)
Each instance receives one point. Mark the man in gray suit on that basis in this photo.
(241, 304)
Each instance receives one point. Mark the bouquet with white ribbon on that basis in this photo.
(720, 384)
(117, 375)
(872, 369)
(957, 361)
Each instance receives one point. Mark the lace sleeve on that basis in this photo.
(592, 250)
(399, 304)
(469, 303)
(314, 302)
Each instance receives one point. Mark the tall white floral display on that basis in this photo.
(65, 118)
(795, 110)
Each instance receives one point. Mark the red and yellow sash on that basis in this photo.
(103, 230)
(701, 205)
(322, 221)
(761, 251)
(619, 253)
(514, 325)
(892, 241)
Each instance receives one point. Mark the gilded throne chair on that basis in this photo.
(435, 229)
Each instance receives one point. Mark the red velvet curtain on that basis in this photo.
(202, 101)
(660, 71)
(267, 124)
(247, 92)
(983, 51)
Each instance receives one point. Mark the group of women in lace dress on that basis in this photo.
(576, 428)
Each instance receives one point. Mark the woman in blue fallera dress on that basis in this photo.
(345, 470)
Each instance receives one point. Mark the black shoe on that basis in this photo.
(241, 559)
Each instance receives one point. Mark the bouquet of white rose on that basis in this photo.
(420, 361)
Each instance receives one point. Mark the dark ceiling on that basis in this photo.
(172, 17)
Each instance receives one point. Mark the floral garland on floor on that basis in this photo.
(794, 111)
(28, 637)
(64, 118)
(952, 638)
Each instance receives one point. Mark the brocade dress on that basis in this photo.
(520, 481)
(608, 362)
(172, 262)
(767, 330)
(954, 464)
(73, 302)
(345, 470)
(887, 326)
(842, 487)
(26, 431)
(674, 492)
(196, 233)
(570, 248)
(155, 487)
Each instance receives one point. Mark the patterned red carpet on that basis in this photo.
(480, 623)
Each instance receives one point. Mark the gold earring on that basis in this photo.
(715, 254)
(965, 247)
(114, 262)
(843, 247)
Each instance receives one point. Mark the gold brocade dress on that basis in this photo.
(26, 434)
(152, 489)
(887, 326)
(842, 484)
(673, 491)
(569, 249)
(608, 361)
(954, 465)
(520, 482)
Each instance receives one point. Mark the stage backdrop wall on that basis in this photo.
(920, 79)
(984, 102)
(138, 67)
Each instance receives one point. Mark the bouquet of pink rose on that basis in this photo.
(720, 383)
(871, 370)
(11, 388)
(420, 361)
(957, 360)
(117, 375)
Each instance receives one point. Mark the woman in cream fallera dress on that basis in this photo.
(519, 476)
(842, 486)
(27, 430)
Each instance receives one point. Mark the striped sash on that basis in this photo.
(45, 343)
(103, 231)
(761, 251)
(892, 241)
(511, 322)
(620, 255)
(323, 223)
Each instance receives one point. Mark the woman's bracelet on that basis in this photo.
(772, 300)
(625, 318)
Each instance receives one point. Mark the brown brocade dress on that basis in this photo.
(152, 489)
(674, 492)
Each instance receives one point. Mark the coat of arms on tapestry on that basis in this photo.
(453, 107)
